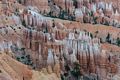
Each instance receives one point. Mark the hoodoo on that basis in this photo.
(59, 40)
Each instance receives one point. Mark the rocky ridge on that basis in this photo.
(49, 41)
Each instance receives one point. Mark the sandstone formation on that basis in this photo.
(13, 70)
(41, 5)
(44, 75)
(48, 47)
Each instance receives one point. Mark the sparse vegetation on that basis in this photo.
(23, 23)
(118, 41)
(108, 38)
(76, 70)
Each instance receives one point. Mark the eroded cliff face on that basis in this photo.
(41, 5)
(48, 44)
(13, 70)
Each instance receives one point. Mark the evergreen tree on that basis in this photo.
(118, 41)
(76, 70)
(108, 38)
(91, 35)
(23, 23)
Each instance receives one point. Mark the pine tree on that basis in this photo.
(108, 38)
(76, 70)
(23, 23)
(118, 41)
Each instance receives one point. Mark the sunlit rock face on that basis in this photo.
(60, 3)
(42, 5)
(77, 47)
(48, 44)
(66, 5)
(17, 71)
(45, 74)
(9, 70)
(5, 77)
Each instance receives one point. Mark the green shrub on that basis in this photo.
(76, 70)
(18, 58)
(108, 38)
(23, 23)
(118, 41)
